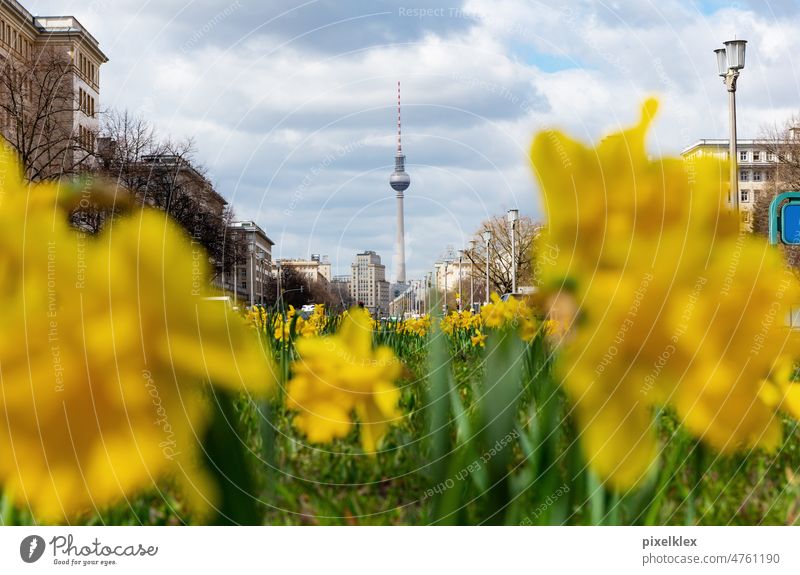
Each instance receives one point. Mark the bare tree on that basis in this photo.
(782, 144)
(164, 174)
(500, 270)
(38, 106)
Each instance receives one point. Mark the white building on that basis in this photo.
(448, 276)
(318, 268)
(368, 283)
(757, 168)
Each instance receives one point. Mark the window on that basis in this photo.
(742, 156)
(744, 195)
(771, 157)
(770, 175)
(756, 156)
(757, 176)
(744, 175)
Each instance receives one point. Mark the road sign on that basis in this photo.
(790, 223)
(784, 219)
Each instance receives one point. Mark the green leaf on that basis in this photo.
(228, 465)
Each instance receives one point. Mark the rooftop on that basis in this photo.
(723, 143)
(251, 226)
(53, 24)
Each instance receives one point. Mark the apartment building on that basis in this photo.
(758, 168)
(50, 61)
(316, 269)
(163, 178)
(247, 281)
(368, 283)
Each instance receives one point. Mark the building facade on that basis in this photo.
(164, 178)
(450, 275)
(316, 269)
(340, 287)
(61, 57)
(247, 281)
(368, 283)
(758, 169)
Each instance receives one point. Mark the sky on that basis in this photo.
(293, 103)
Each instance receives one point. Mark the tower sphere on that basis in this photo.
(400, 181)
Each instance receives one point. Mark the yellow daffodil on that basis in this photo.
(105, 347)
(479, 339)
(339, 376)
(414, 326)
(673, 305)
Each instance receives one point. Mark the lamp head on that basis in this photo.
(513, 216)
(722, 62)
(734, 52)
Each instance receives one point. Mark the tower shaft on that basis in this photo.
(400, 242)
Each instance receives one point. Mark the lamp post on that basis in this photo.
(427, 293)
(446, 262)
(260, 269)
(251, 270)
(487, 238)
(460, 290)
(471, 275)
(278, 301)
(513, 216)
(730, 60)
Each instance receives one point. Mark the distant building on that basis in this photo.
(179, 175)
(247, 281)
(340, 288)
(368, 283)
(758, 168)
(410, 301)
(315, 269)
(448, 276)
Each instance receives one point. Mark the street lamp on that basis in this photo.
(260, 266)
(513, 216)
(460, 290)
(471, 275)
(730, 60)
(427, 293)
(278, 286)
(446, 262)
(251, 269)
(487, 238)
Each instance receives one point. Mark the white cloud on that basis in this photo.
(273, 100)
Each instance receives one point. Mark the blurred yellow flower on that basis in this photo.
(105, 344)
(479, 339)
(414, 326)
(498, 313)
(341, 375)
(676, 307)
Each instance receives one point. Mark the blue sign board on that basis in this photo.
(790, 223)
(784, 218)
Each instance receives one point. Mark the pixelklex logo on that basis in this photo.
(32, 548)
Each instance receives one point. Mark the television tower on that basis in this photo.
(400, 181)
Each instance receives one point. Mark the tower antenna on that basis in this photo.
(399, 124)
